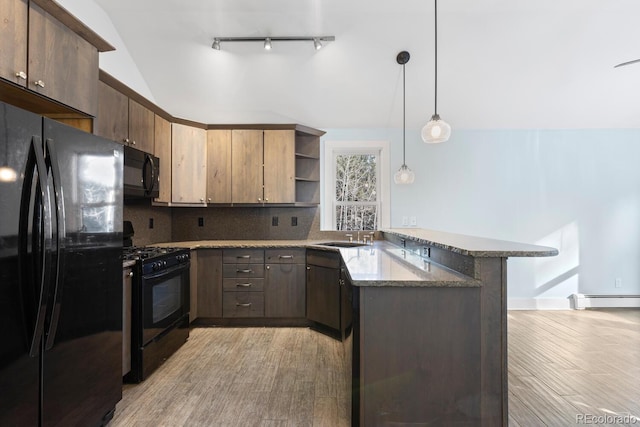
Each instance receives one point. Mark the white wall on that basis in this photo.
(119, 62)
(576, 190)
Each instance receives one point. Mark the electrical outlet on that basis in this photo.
(274, 221)
(618, 282)
(200, 221)
(150, 222)
(294, 221)
(405, 221)
(413, 221)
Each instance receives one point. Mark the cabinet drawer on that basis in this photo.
(285, 256)
(243, 256)
(243, 304)
(239, 284)
(323, 259)
(243, 270)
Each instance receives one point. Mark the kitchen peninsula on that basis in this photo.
(428, 341)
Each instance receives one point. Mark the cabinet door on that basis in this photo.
(112, 121)
(141, 127)
(219, 166)
(246, 166)
(279, 166)
(13, 40)
(188, 164)
(62, 65)
(284, 294)
(162, 150)
(323, 295)
(209, 283)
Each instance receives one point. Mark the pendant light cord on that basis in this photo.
(435, 18)
(404, 121)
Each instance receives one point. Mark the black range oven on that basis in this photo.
(160, 307)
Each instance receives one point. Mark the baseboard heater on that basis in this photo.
(582, 301)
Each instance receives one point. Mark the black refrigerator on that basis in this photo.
(60, 273)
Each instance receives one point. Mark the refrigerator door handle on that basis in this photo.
(148, 162)
(58, 277)
(35, 161)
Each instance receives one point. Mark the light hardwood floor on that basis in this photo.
(562, 365)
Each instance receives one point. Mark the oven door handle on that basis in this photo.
(155, 275)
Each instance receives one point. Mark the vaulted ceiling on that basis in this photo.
(502, 63)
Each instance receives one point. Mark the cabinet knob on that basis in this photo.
(131, 274)
(133, 142)
(266, 200)
(39, 83)
(308, 268)
(209, 199)
(259, 199)
(268, 267)
(126, 140)
(22, 75)
(201, 199)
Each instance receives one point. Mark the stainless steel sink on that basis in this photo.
(342, 244)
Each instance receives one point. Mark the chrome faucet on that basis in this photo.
(350, 236)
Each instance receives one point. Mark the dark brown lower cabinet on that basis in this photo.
(209, 283)
(416, 357)
(284, 294)
(323, 288)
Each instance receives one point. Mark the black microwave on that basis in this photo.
(141, 174)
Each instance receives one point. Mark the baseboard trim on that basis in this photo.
(582, 301)
(538, 304)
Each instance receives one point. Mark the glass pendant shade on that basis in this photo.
(404, 175)
(436, 130)
(8, 174)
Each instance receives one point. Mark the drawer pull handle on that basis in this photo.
(285, 256)
(243, 285)
(22, 75)
(39, 83)
(244, 271)
(248, 304)
(243, 256)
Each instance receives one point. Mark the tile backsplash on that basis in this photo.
(243, 223)
(222, 223)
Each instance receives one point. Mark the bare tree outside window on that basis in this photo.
(356, 200)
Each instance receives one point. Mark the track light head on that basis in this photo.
(317, 43)
(267, 44)
(216, 44)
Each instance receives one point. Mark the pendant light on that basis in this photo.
(404, 174)
(436, 130)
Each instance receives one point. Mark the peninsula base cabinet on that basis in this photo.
(430, 355)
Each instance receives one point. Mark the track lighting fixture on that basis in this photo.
(268, 41)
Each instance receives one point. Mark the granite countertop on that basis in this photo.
(385, 264)
(380, 264)
(471, 245)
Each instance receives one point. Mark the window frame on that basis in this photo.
(327, 188)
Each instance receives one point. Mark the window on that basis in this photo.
(355, 186)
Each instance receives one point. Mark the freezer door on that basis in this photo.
(18, 292)
(82, 362)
